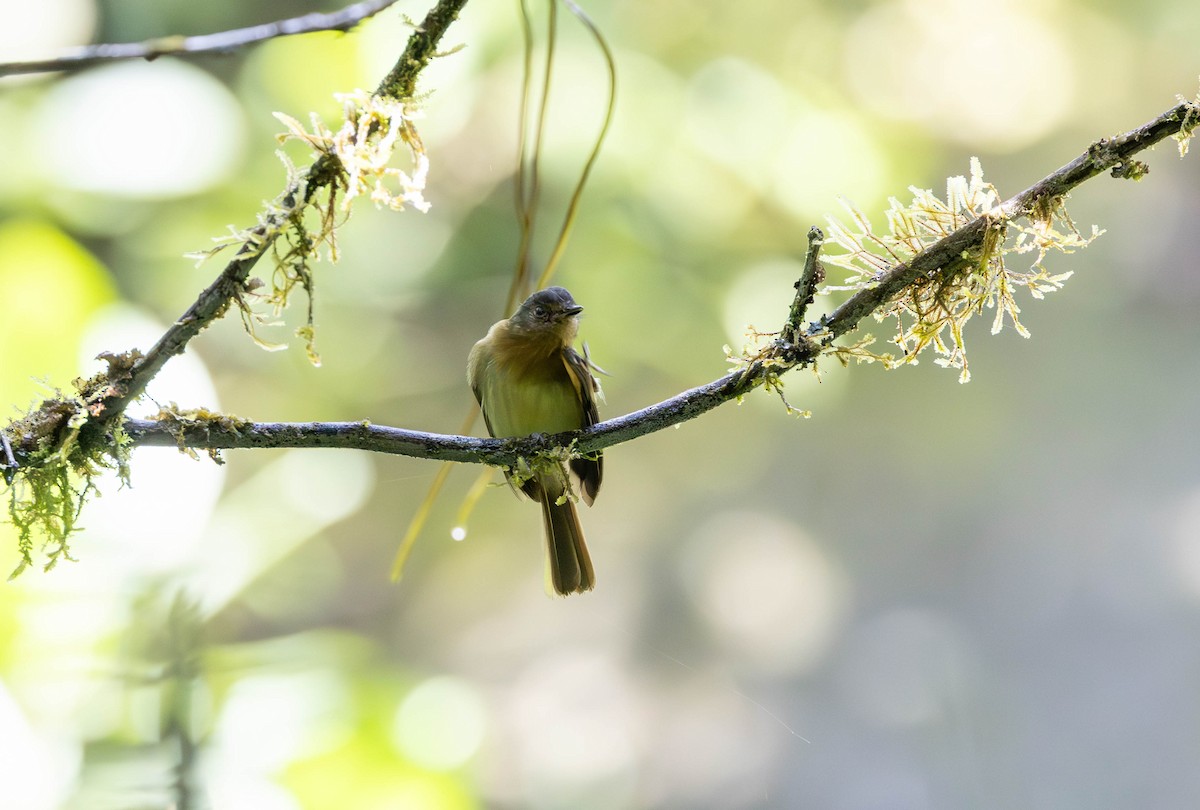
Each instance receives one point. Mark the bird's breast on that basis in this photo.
(522, 398)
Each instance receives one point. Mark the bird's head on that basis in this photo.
(549, 310)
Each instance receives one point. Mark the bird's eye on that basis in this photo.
(539, 311)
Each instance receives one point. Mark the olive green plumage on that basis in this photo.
(528, 379)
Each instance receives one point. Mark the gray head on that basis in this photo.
(547, 308)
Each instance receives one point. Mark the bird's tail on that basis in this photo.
(568, 565)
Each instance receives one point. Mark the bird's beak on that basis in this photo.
(575, 310)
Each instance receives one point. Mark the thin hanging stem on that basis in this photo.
(564, 233)
(525, 214)
(529, 158)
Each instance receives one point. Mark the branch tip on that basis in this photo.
(806, 287)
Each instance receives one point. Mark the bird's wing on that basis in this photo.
(589, 469)
(475, 367)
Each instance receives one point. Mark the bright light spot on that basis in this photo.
(157, 524)
(441, 723)
(698, 203)
(37, 776)
(144, 130)
(306, 491)
(39, 30)
(980, 73)
(767, 591)
(656, 107)
(267, 722)
(458, 533)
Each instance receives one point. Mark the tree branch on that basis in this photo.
(796, 347)
(1104, 155)
(222, 434)
(52, 455)
(229, 287)
(221, 42)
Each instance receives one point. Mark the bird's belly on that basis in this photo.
(533, 405)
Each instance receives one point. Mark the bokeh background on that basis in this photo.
(928, 595)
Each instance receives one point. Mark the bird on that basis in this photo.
(529, 379)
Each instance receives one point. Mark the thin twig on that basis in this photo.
(220, 42)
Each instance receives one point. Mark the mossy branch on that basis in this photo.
(80, 433)
(52, 454)
(231, 285)
(799, 344)
(947, 255)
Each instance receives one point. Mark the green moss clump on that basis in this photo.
(57, 451)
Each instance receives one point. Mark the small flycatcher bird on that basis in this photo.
(528, 379)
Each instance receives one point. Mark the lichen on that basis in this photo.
(180, 421)
(1191, 121)
(356, 161)
(934, 311)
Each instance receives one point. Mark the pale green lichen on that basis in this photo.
(355, 161)
(178, 421)
(934, 312)
(761, 355)
(1191, 121)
